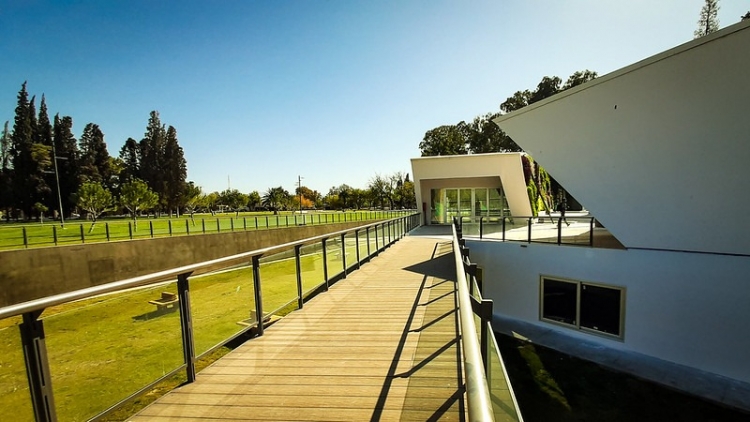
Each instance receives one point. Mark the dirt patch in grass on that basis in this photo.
(552, 386)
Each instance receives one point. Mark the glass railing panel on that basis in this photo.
(278, 281)
(362, 242)
(333, 257)
(14, 386)
(544, 229)
(222, 304)
(501, 395)
(350, 245)
(470, 227)
(311, 261)
(517, 229)
(106, 348)
(575, 231)
(373, 241)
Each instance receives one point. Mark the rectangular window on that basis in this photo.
(583, 305)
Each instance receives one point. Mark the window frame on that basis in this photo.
(577, 325)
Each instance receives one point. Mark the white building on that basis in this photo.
(658, 152)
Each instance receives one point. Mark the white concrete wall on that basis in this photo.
(687, 308)
(657, 151)
(464, 170)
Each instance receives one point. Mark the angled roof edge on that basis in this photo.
(630, 68)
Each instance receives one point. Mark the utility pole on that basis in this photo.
(299, 189)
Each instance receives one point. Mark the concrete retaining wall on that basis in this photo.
(35, 273)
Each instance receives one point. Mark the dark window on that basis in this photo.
(559, 302)
(600, 308)
(589, 306)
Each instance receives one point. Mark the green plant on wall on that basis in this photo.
(538, 185)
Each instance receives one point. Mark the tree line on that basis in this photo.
(44, 168)
(391, 191)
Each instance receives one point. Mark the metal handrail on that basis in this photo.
(477, 391)
(160, 276)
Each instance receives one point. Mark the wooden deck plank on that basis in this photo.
(381, 344)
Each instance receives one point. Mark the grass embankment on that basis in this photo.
(79, 231)
(103, 349)
(552, 386)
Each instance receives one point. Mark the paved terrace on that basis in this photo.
(382, 344)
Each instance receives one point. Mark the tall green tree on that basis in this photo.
(66, 147)
(130, 156)
(94, 157)
(43, 140)
(174, 172)
(28, 157)
(136, 196)
(709, 19)
(152, 148)
(444, 140)
(95, 200)
(485, 136)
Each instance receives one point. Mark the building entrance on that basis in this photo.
(469, 204)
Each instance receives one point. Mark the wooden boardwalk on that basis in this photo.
(380, 345)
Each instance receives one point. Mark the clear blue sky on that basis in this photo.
(334, 90)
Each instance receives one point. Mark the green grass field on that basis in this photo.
(103, 349)
(49, 233)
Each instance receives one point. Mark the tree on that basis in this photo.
(66, 147)
(709, 19)
(579, 78)
(380, 189)
(253, 200)
(192, 198)
(746, 16)
(275, 198)
(547, 87)
(43, 143)
(94, 157)
(519, 100)
(443, 140)
(28, 181)
(136, 196)
(151, 149)
(233, 199)
(130, 156)
(485, 136)
(174, 171)
(95, 200)
(40, 209)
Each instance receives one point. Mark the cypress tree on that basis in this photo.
(66, 147)
(130, 156)
(94, 161)
(175, 170)
(152, 148)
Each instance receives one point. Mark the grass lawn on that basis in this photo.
(77, 231)
(552, 386)
(103, 349)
